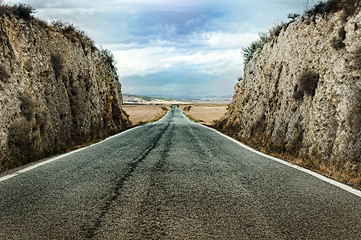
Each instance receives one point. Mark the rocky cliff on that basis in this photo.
(301, 94)
(56, 91)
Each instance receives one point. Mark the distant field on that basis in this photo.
(144, 113)
(205, 112)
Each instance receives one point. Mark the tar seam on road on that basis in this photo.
(6, 177)
(91, 231)
(317, 175)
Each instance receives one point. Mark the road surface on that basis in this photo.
(173, 180)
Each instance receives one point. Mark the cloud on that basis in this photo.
(223, 40)
(205, 52)
(199, 73)
(173, 47)
(142, 61)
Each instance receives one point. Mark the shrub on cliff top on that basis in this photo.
(264, 38)
(73, 33)
(109, 58)
(322, 7)
(332, 6)
(23, 11)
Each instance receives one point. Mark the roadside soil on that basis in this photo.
(206, 113)
(144, 113)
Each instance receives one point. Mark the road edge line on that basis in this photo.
(36, 165)
(6, 177)
(315, 174)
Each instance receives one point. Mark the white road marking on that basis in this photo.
(7, 177)
(317, 175)
(61, 156)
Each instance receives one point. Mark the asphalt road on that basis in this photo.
(173, 180)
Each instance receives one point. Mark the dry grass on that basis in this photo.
(308, 82)
(140, 114)
(4, 73)
(346, 171)
(58, 63)
(357, 58)
(205, 112)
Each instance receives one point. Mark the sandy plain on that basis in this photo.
(206, 113)
(144, 113)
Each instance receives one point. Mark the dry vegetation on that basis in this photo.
(307, 84)
(344, 171)
(31, 132)
(205, 113)
(323, 8)
(141, 114)
(4, 74)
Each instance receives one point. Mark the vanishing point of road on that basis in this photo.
(173, 179)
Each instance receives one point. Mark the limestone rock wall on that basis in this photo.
(302, 92)
(55, 92)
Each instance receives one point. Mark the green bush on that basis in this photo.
(23, 11)
(348, 6)
(4, 74)
(357, 58)
(57, 62)
(338, 42)
(273, 33)
(19, 132)
(298, 95)
(293, 16)
(19, 141)
(27, 106)
(109, 58)
(342, 33)
(74, 33)
(331, 6)
(308, 82)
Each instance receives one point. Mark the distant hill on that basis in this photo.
(139, 99)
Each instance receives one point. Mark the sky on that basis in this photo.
(173, 48)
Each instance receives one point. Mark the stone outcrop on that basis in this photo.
(56, 92)
(301, 93)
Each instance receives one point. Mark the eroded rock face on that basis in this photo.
(54, 92)
(302, 92)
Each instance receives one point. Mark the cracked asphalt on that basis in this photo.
(173, 180)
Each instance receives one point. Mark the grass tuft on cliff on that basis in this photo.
(74, 33)
(23, 11)
(349, 7)
(109, 58)
(331, 6)
(258, 45)
(31, 134)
